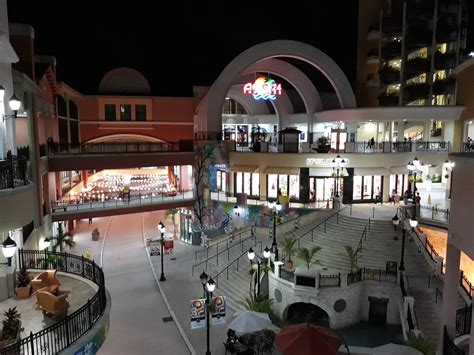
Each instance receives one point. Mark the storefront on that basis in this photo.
(247, 183)
(185, 225)
(283, 181)
(221, 180)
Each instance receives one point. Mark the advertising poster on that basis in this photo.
(218, 316)
(198, 313)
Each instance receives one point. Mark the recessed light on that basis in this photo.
(227, 98)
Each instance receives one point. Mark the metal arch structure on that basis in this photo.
(211, 119)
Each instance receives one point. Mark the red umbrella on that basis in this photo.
(307, 339)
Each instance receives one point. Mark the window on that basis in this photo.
(62, 108)
(218, 179)
(295, 187)
(272, 185)
(140, 112)
(110, 112)
(238, 183)
(125, 112)
(247, 184)
(255, 184)
(73, 110)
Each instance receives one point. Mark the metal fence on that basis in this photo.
(13, 173)
(449, 348)
(466, 285)
(330, 280)
(365, 273)
(463, 320)
(434, 213)
(62, 334)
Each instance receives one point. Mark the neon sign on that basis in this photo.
(263, 88)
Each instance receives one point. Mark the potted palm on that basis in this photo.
(23, 288)
(307, 256)
(11, 331)
(353, 256)
(62, 239)
(95, 234)
(288, 246)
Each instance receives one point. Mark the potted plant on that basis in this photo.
(23, 288)
(288, 246)
(353, 255)
(323, 146)
(95, 234)
(307, 256)
(62, 239)
(11, 330)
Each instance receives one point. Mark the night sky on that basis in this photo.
(176, 48)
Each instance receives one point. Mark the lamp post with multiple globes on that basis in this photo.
(162, 229)
(208, 286)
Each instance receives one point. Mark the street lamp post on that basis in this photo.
(162, 229)
(338, 165)
(251, 256)
(208, 286)
(8, 250)
(414, 167)
(449, 169)
(276, 208)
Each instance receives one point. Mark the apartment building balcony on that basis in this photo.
(444, 61)
(444, 86)
(388, 99)
(417, 66)
(389, 75)
(13, 173)
(391, 50)
(415, 92)
(372, 57)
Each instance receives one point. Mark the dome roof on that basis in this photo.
(124, 81)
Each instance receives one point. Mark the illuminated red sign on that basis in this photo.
(263, 88)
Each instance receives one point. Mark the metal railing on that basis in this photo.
(363, 237)
(230, 239)
(288, 275)
(135, 199)
(55, 148)
(434, 213)
(13, 173)
(330, 280)
(62, 334)
(380, 275)
(466, 285)
(463, 320)
(432, 146)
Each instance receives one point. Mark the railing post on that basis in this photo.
(32, 347)
(89, 313)
(217, 254)
(93, 271)
(65, 260)
(82, 258)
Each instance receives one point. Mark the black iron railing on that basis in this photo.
(330, 280)
(434, 213)
(463, 320)
(449, 348)
(13, 173)
(466, 285)
(379, 275)
(432, 146)
(55, 148)
(288, 275)
(62, 334)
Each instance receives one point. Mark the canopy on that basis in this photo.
(249, 321)
(395, 349)
(307, 339)
(244, 168)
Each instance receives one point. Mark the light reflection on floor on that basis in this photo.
(438, 239)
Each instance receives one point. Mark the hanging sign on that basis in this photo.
(218, 315)
(263, 88)
(198, 314)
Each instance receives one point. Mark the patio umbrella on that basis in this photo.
(395, 349)
(249, 321)
(307, 339)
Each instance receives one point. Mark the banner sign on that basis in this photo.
(218, 316)
(198, 313)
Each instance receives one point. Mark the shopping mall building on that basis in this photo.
(278, 131)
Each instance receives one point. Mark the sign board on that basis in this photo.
(198, 313)
(321, 162)
(263, 88)
(218, 316)
(155, 246)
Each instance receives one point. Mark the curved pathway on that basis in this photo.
(136, 317)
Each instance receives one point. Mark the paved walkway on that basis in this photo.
(136, 319)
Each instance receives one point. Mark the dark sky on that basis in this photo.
(184, 44)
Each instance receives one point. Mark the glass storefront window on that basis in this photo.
(238, 183)
(357, 190)
(295, 186)
(218, 179)
(312, 195)
(255, 184)
(367, 188)
(247, 184)
(283, 184)
(223, 182)
(377, 185)
(272, 185)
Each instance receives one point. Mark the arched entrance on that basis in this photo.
(307, 312)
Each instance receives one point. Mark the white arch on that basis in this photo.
(262, 51)
(124, 137)
(251, 106)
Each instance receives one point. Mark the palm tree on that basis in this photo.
(258, 303)
(288, 246)
(63, 239)
(353, 255)
(171, 214)
(307, 256)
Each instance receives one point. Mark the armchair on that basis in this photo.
(55, 306)
(46, 279)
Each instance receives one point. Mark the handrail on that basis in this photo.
(363, 236)
(216, 277)
(319, 224)
(61, 335)
(449, 348)
(232, 236)
(241, 242)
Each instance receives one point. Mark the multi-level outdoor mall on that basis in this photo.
(349, 208)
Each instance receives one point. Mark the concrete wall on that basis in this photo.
(465, 97)
(355, 295)
(16, 207)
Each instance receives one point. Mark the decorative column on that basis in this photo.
(386, 188)
(450, 290)
(85, 178)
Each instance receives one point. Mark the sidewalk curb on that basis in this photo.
(178, 325)
(103, 242)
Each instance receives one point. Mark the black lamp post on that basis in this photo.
(162, 229)
(402, 264)
(276, 208)
(338, 165)
(395, 221)
(414, 167)
(210, 287)
(449, 169)
(8, 250)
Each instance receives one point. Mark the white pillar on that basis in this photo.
(450, 290)
(386, 188)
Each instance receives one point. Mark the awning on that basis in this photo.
(399, 170)
(281, 170)
(320, 172)
(370, 171)
(244, 168)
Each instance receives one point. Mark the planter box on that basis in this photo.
(95, 236)
(23, 292)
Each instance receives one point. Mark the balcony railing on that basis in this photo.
(434, 214)
(432, 146)
(13, 173)
(116, 147)
(59, 336)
